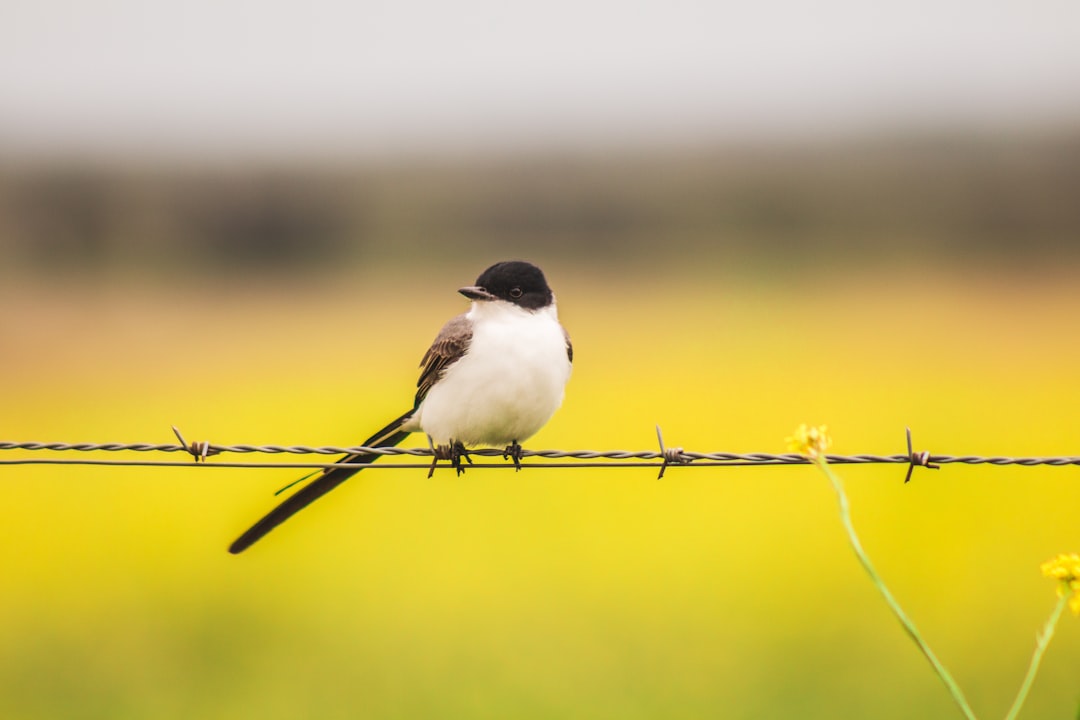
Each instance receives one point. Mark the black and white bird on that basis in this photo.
(493, 377)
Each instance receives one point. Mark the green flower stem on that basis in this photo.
(1041, 641)
(908, 625)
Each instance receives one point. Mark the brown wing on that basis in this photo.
(451, 343)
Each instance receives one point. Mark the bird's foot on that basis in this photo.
(454, 453)
(514, 452)
(457, 454)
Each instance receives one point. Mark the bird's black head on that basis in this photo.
(514, 281)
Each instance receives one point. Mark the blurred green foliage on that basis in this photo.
(937, 199)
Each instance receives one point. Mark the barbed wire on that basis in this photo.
(663, 458)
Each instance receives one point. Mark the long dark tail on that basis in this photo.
(330, 478)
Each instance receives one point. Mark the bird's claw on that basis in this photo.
(514, 451)
(454, 453)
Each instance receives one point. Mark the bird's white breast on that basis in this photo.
(507, 385)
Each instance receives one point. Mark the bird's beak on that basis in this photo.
(475, 292)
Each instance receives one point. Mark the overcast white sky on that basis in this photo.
(207, 76)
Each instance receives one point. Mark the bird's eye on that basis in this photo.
(515, 293)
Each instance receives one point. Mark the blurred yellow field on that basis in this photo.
(584, 593)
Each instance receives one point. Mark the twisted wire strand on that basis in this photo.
(610, 458)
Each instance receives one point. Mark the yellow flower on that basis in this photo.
(1065, 568)
(810, 441)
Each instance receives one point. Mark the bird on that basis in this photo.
(493, 377)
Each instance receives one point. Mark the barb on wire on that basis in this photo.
(672, 456)
(921, 458)
(663, 458)
(198, 450)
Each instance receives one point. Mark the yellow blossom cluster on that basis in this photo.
(810, 441)
(1065, 568)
